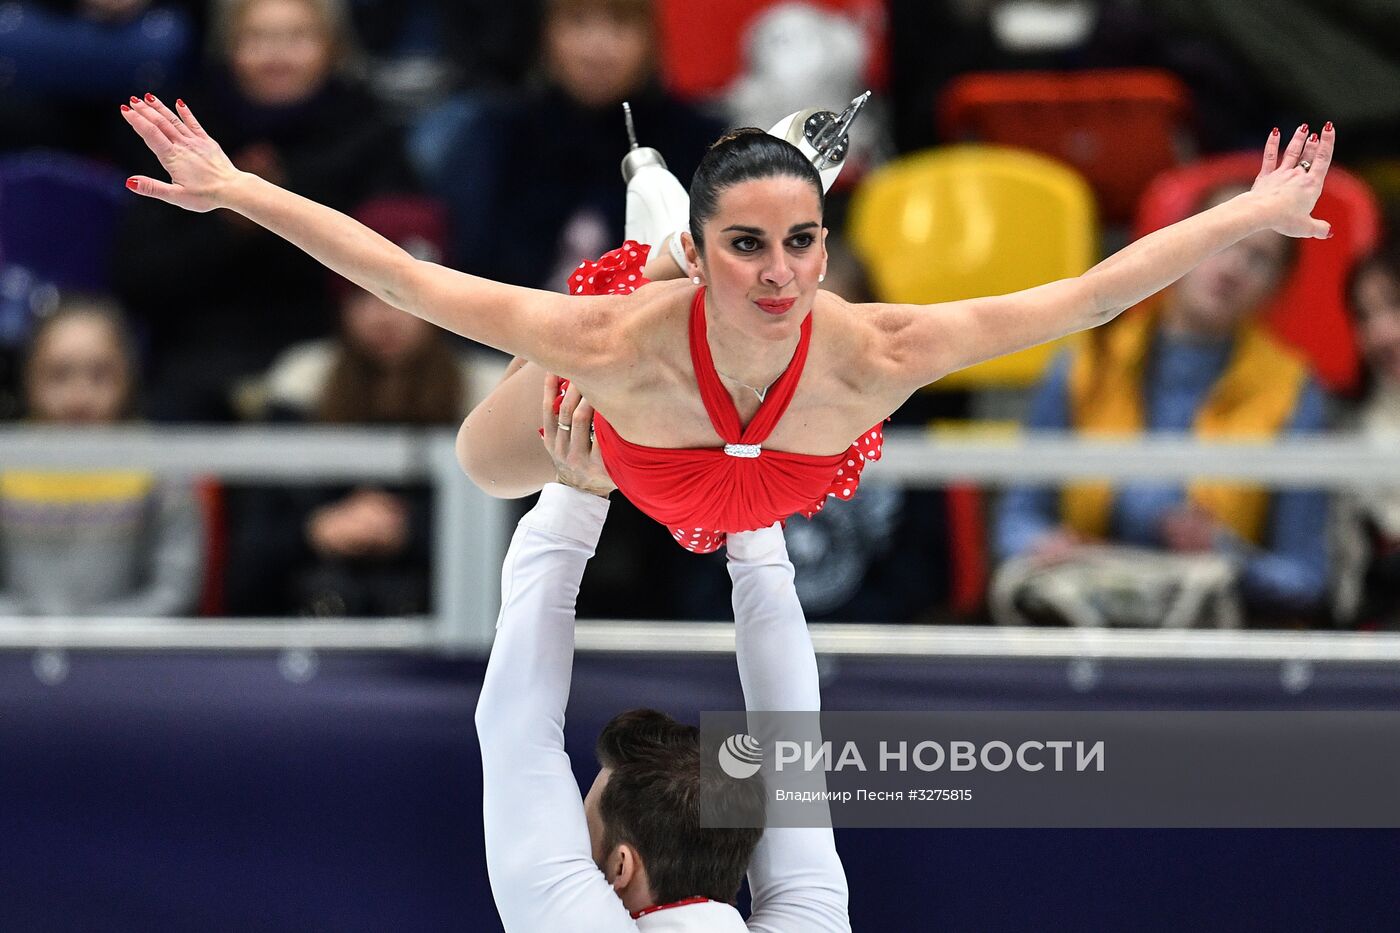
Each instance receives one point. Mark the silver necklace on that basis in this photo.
(754, 389)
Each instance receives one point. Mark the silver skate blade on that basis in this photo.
(831, 142)
(631, 129)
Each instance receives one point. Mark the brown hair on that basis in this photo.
(1385, 260)
(653, 801)
(101, 308)
(426, 389)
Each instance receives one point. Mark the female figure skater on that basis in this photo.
(787, 374)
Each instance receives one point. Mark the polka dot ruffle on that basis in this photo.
(869, 446)
(618, 272)
(843, 486)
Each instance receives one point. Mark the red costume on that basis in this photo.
(702, 493)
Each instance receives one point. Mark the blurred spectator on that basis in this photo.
(58, 214)
(799, 55)
(114, 543)
(63, 60)
(1368, 577)
(219, 296)
(362, 550)
(533, 182)
(1192, 360)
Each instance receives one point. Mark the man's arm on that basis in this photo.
(795, 876)
(537, 849)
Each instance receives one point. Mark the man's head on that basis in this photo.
(644, 813)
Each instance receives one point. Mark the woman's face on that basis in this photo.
(598, 58)
(1377, 310)
(765, 253)
(382, 332)
(281, 51)
(78, 373)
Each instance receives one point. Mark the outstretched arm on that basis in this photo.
(916, 345)
(538, 853)
(795, 875)
(571, 336)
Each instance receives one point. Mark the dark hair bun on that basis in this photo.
(744, 154)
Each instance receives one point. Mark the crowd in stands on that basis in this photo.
(487, 136)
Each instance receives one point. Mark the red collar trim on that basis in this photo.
(697, 899)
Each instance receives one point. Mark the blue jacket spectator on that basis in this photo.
(1198, 364)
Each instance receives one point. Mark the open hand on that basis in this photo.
(199, 170)
(1290, 184)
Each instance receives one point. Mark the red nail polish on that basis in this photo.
(1312, 138)
(125, 108)
(1275, 132)
(179, 102)
(133, 98)
(1328, 126)
(1304, 127)
(150, 98)
(131, 183)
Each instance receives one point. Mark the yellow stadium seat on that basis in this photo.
(967, 221)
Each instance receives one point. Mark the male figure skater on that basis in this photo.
(632, 855)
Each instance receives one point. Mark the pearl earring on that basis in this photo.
(695, 279)
(821, 278)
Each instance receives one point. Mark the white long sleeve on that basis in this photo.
(538, 854)
(795, 877)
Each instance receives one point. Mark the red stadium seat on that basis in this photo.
(702, 43)
(1119, 127)
(1310, 310)
(209, 494)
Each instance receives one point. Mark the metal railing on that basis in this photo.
(473, 529)
(470, 531)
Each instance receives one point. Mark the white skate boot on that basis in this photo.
(657, 204)
(822, 136)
